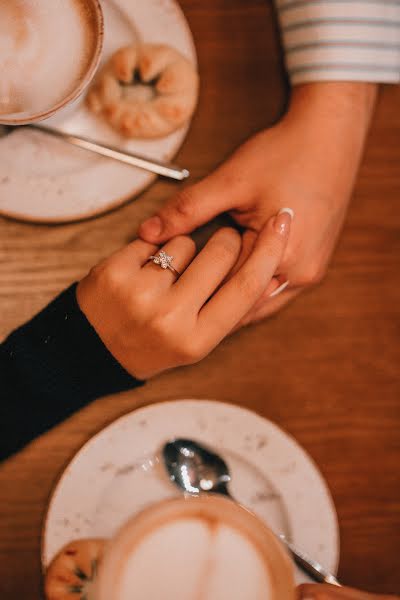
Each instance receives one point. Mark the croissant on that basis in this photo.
(145, 91)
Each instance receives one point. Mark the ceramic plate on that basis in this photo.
(44, 179)
(117, 473)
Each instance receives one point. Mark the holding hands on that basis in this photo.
(308, 161)
(152, 320)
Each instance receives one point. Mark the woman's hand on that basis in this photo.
(150, 320)
(307, 162)
(330, 592)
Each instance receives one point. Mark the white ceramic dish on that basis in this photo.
(46, 180)
(117, 473)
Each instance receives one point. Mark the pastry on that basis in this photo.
(73, 570)
(145, 91)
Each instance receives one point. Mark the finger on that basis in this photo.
(249, 239)
(309, 591)
(194, 206)
(269, 301)
(181, 249)
(328, 592)
(265, 308)
(271, 288)
(132, 256)
(236, 297)
(210, 267)
(277, 284)
(278, 290)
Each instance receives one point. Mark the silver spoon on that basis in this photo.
(135, 160)
(196, 469)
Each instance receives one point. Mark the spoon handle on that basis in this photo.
(154, 166)
(311, 567)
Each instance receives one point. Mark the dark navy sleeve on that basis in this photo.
(51, 367)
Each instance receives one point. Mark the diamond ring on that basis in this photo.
(164, 261)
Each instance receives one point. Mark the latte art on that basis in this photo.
(195, 549)
(196, 559)
(45, 48)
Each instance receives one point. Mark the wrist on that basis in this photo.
(338, 101)
(331, 120)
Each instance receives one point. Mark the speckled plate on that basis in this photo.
(46, 180)
(117, 473)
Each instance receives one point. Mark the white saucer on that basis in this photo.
(116, 474)
(44, 179)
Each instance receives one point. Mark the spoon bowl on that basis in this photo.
(194, 468)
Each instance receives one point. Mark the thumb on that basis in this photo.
(195, 205)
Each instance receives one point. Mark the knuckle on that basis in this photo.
(142, 299)
(95, 273)
(185, 203)
(113, 277)
(311, 276)
(192, 350)
(184, 347)
(163, 325)
(106, 275)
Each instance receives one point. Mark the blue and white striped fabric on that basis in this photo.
(341, 39)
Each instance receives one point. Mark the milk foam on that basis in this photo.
(193, 558)
(45, 46)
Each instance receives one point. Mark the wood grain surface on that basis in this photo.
(326, 369)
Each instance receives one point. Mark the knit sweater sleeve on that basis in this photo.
(51, 367)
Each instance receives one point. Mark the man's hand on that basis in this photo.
(307, 162)
(330, 592)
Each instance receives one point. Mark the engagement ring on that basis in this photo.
(164, 261)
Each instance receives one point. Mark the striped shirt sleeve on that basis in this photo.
(342, 40)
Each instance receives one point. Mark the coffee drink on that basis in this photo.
(47, 50)
(205, 548)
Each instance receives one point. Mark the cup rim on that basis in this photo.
(155, 513)
(77, 91)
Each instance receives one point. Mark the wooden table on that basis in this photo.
(326, 369)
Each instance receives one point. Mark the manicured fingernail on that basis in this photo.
(279, 289)
(289, 211)
(152, 226)
(283, 220)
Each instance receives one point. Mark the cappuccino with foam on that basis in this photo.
(49, 49)
(205, 548)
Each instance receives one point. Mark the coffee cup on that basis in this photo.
(49, 53)
(203, 548)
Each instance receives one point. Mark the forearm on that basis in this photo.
(332, 121)
(332, 50)
(339, 102)
(49, 368)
